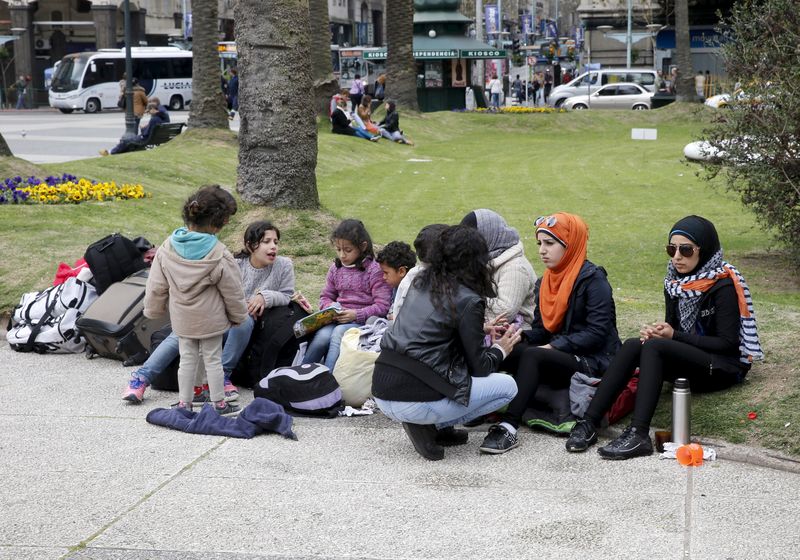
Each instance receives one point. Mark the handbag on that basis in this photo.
(121, 102)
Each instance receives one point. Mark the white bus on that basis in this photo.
(90, 81)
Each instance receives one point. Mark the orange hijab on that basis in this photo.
(557, 283)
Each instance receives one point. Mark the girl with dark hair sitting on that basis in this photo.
(433, 371)
(709, 336)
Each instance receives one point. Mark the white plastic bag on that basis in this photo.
(353, 369)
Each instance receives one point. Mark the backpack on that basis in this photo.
(272, 344)
(45, 321)
(167, 380)
(112, 259)
(304, 390)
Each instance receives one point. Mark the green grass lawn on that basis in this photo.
(522, 166)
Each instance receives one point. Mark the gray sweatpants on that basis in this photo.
(197, 353)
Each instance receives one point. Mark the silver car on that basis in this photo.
(612, 96)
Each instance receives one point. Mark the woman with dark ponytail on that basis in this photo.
(709, 336)
(433, 371)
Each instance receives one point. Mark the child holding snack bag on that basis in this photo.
(354, 281)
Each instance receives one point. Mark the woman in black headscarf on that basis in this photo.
(709, 336)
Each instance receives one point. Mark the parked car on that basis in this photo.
(589, 82)
(612, 96)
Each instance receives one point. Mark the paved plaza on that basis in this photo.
(84, 476)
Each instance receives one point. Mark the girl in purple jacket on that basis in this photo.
(356, 282)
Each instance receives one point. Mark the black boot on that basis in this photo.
(448, 437)
(423, 436)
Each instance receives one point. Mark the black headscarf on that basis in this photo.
(702, 232)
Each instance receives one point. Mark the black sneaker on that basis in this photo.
(582, 436)
(630, 444)
(448, 437)
(499, 440)
(423, 436)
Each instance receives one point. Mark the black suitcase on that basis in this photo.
(115, 326)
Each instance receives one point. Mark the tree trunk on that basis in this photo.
(325, 83)
(278, 133)
(401, 69)
(683, 57)
(207, 109)
(4, 149)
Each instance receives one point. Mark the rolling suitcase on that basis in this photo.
(115, 327)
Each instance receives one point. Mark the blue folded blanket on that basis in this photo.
(261, 415)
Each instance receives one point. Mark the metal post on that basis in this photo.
(628, 37)
(130, 122)
(479, 67)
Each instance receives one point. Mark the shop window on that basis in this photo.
(434, 74)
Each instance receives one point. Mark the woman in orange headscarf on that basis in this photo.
(574, 326)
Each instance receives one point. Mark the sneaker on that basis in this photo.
(499, 440)
(448, 437)
(227, 409)
(200, 396)
(630, 444)
(183, 405)
(423, 436)
(103, 152)
(374, 138)
(231, 392)
(134, 394)
(582, 436)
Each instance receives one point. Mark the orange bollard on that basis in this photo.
(690, 455)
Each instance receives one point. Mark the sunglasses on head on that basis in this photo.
(547, 221)
(685, 249)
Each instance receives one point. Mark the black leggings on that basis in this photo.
(658, 359)
(537, 365)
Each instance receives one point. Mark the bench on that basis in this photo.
(159, 135)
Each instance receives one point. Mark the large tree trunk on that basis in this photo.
(207, 109)
(278, 133)
(401, 69)
(4, 149)
(683, 57)
(325, 83)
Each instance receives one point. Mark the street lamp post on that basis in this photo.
(628, 35)
(130, 122)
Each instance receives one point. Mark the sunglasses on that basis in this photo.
(547, 221)
(685, 250)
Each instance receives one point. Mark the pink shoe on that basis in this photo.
(231, 392)
(134, 393)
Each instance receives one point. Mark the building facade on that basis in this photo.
(357, 22)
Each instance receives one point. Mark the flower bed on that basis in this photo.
(520, 109)
(66, 189)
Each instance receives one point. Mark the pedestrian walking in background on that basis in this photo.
(700, 84)
(548, 85)
(139, 102)
(233, 93)
(21, 86)
(356, 91)
(495, 90)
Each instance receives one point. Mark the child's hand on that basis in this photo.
(346, 316)
(301, 300)
(256, 306)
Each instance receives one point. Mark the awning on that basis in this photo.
(445, 46)
(438, 16)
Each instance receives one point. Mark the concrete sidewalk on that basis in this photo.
(84, 476)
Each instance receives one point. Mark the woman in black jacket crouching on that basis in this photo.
(433, 371)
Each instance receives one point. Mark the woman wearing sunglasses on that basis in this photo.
(709, 336)
(574, 325)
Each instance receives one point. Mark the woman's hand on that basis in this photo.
(509, 339)
(496, 327)
(256, 306)
(658, 329)
(346, 316)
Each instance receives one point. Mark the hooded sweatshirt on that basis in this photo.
(204, 295)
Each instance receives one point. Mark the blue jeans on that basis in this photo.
(236, 340)
(326, 343)
(487, 394)
(496, 100)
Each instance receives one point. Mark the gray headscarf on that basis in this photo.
(498, 234)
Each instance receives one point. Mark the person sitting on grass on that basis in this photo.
(342, 124)
(390, 125)
(157, 117)
(709, 336)
(574, 325)
(395, 260)
(268, 281)
(433, 371)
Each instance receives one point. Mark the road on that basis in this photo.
(48, 136)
